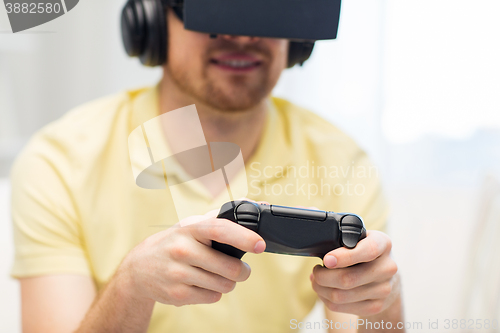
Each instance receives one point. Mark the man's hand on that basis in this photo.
(359, 281)
(178, 266)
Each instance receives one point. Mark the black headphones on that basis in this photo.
(144, 33)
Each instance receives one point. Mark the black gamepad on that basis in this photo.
(294, 231)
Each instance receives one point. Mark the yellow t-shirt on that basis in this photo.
(76, 207)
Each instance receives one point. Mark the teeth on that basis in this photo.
(237, 63)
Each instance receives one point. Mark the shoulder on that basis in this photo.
(87, 121)
(305, 128)
(79, 136)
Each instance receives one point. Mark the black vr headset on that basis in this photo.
(144, 26)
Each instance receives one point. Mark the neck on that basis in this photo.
(242, 127)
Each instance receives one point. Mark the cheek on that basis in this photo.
(185, 48)
(280, 53)
(180, 56)
(185, 57)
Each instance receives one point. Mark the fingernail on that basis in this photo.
(330, 261)
(248, 266)
(259, 247)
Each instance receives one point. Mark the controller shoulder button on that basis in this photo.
(351, 228)
(248, 215)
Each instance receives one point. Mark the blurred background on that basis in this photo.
(415, 82)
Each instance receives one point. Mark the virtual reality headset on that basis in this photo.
(144, 23)
(290, 19)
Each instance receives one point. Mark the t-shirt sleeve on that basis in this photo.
(47, 234)
(364, 194)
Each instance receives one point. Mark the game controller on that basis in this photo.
(293, 231)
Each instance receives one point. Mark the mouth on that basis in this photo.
(236, 62)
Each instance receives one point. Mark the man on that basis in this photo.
(90, 258)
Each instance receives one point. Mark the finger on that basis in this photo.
(227, 232)
(363, 308)
(374, 245)
(380, 269)
(376, 290)
(185, 294)
(207, 280)
(218, 263)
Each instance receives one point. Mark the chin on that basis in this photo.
(235, 100)
(236, 93)
(231, 105)
(231, 99)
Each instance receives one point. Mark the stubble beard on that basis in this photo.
(229, 93)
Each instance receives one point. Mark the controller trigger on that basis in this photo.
(248, 215)
(351, 230)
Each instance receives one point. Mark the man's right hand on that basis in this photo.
(178, 266)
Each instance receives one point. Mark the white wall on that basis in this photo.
(52, 68)
(442, 73)
(343, 79)
(9, 288)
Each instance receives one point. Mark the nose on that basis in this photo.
(241, 39)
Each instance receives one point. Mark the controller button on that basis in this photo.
(247, 214)
(351, 228)
(298, 213)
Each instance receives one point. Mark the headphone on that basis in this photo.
(144, 33)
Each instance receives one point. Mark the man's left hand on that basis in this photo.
(360, 281)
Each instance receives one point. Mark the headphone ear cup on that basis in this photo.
(155, 50)
(133, 28)
(144, 31)
(298, 52)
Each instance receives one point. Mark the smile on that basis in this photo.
(236, 63)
